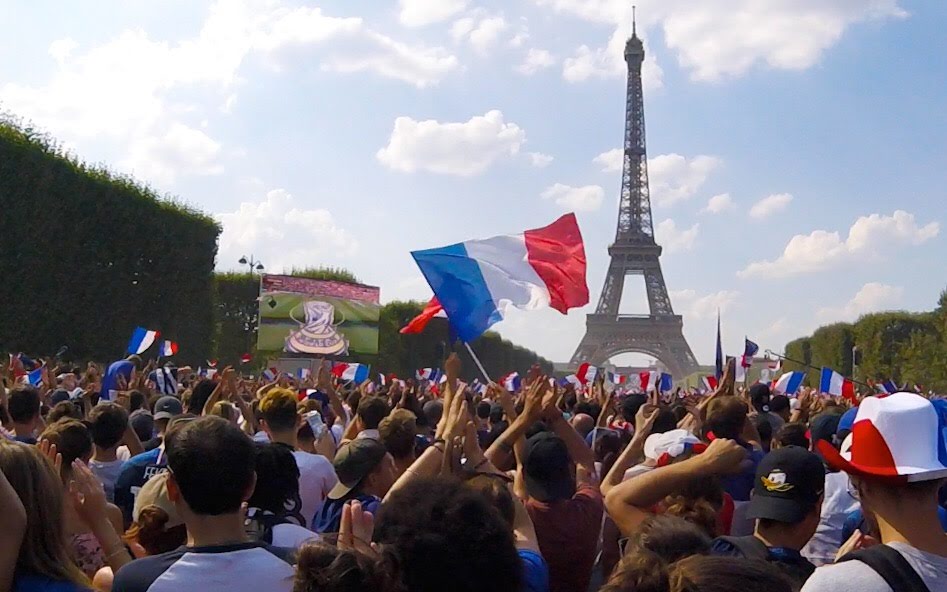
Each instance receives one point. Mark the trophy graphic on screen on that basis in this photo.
(317, 335)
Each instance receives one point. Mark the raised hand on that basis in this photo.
(356, 529)
(87, 495)
(722, 457)
(48, 449)
(644, 420)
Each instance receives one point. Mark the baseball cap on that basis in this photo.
(353, 462)
(673, 442)
(167, 407)
(547, 468)
(789, 482)
(823, 426)
(155, 493)
(143, 423)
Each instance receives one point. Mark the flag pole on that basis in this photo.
(477, 362)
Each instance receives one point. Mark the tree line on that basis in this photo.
(908, 348)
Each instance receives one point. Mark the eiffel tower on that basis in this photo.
(634, 252)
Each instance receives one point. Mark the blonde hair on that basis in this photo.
(226, 410)
(44, 550)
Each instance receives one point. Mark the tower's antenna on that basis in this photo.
(634, 29)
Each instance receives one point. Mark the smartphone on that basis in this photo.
(316, 424)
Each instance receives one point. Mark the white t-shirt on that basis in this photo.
(107, 472)
(855, 575)
(836, 505)
(292, 536)
(635, 471)
(316, 479)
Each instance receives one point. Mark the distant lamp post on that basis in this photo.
(252, 264)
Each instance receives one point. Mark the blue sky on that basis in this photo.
(797, 149)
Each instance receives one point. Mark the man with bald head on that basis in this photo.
(583, 424)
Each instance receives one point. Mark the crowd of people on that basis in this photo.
(134, 478)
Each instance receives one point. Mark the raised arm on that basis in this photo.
(628, 503)
(644, 421)
(579, 451)
(503, 446)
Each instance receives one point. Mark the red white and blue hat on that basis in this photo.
(896, 437)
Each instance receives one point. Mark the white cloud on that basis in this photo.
(609, 62)
(454, 148)
(540, 160)
(714, 40)
(673, 239)
(770, 205)
(872, 297)
(182, 150)
(675, 178)
(373, 52)
(420, 13)
(536, 60)
(582, 199)
(719, 203)
(870, 236)
(282, 234)
(480, 30)
(136, 93)
(611, 161)
(702, 306)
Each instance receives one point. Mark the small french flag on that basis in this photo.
(426, 374)
(270, 374)
(586, 373)
(357, 373)
(614, 378)
(141, 340)
(888, 387)
(433, 310)
(666, 382)
(168, 348)
(789, 383)
(35, 377)
(649, 380)
(835, 384)
(710, 383)
(512, 382)
(303, 373)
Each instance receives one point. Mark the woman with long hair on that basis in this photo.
(44, 558)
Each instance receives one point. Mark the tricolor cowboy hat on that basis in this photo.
(896, 437)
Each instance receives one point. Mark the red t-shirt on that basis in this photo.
(568, 532)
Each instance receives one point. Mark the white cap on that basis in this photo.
(673, 442)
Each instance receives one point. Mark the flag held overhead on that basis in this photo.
(476, 280)
(141, 340)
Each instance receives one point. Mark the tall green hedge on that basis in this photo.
(86, 256)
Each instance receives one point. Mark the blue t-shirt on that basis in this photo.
(535, 571)
(329, 517)
(36, 583)
(740, 486)
(110, 380)
(136, 471)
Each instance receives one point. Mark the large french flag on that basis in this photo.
(586, 373)
(141, 340)
(789, 383)
(476, 280)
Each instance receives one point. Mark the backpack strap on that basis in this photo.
(891, 566)
(750, 546)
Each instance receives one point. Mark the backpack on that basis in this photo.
(891, 566)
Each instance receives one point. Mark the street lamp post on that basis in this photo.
(252, 264)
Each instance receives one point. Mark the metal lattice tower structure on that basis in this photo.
(634, 252)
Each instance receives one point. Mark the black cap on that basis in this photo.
(759, 396)
(167, 407)
(823, 427)
(789, 482)
(547, 468)
(353, 462)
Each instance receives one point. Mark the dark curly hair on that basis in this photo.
(321, 567)
(660, 541)
(443, 534)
